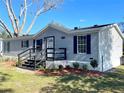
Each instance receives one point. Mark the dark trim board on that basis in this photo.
(62, 57)
(34, 42)
(45, 40)
(39, 43)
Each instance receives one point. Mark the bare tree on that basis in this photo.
(18, 22)
(3, 33)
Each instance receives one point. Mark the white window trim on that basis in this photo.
(82, 44)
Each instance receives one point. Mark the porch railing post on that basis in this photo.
(34, 62)
(18, 60)
(65, 53)
(30, 53)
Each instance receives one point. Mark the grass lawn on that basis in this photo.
(16, 81)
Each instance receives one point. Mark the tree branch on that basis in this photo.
(19, 26)
(46, 7)
(25, 15)
(10, 16)
(14, 16)
(23, 9)
(33, 21)
(6, 28)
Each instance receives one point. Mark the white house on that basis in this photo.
(103, 43)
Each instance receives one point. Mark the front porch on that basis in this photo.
(32, 58)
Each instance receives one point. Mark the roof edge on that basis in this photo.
(55, 26)
(119, 30)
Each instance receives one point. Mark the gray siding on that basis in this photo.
(68, 44)
(84, 56)
(15, 47)
(59, 43)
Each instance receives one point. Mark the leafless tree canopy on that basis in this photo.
(33, 7)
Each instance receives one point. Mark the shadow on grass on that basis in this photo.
(6, 91)
(110, 82)
(3, 78)
(69, 78)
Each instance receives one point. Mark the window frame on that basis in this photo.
(83, 44)
(25, 44)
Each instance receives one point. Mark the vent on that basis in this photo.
(75, 28)
(96, 25)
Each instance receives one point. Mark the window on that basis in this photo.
(6, 47)
(82, 44)
(25, 43)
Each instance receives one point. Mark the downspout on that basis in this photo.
(100, 56)
(99, 49)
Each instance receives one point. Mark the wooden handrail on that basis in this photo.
(41, 55)
(57, 53)
(25, 53)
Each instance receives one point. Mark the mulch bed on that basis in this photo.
(70, 71)
(63, 72)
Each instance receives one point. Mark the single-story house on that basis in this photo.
(103, 43)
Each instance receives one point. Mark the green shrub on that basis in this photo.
(85, 67)
(61, 67)
(76, 65)
(68, 66)
(94, 63)
(52, 68)
(41, 68)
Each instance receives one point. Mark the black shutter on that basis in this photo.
(27, 43)
(21, 44)
(75, 44)
(40, 44)
(88, 44)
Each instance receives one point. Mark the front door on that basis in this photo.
(50, 47)
(39, 45)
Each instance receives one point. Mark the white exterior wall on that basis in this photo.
(110, 49)
(15, 47)
(68, 44)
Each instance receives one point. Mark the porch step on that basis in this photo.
(29, 64)
(29, 68)
(32, 60)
